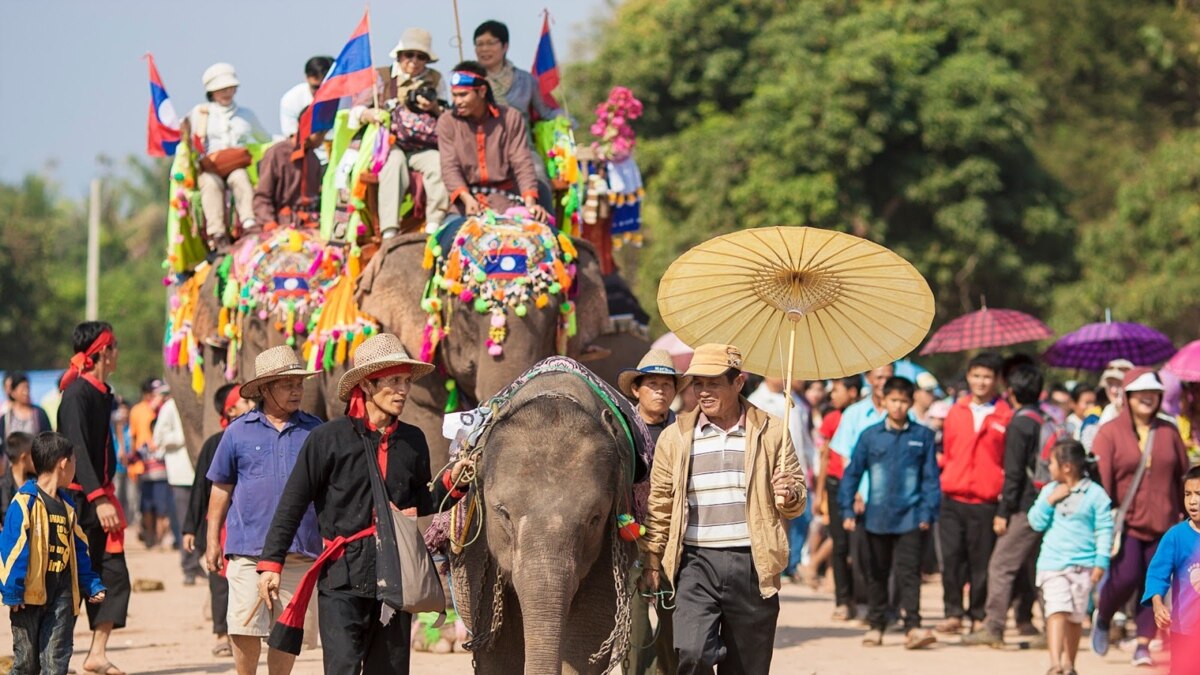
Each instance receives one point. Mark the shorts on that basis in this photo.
(156, 497)
(1066, 591)
(242, 575)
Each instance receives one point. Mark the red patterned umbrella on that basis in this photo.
(986, 328)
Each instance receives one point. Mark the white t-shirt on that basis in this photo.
(291, 105)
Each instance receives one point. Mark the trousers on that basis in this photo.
(843, 575)
(729, 624)
(644, 654)
(901, 554)
(967, 541)
(354, 641)
(1127, 577)
(1009, 562)
(393, 184)
(43, 635)
(212, 199)
(114, 574)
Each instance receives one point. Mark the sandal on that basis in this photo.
(1054, 670)
(107, 668)
(918, 639)
(222, 649)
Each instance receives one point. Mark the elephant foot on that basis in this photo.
(443, 646)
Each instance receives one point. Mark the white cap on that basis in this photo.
(220, 76)
(1145, 382)
(927, 382)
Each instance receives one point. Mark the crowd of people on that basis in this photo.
(466, 135)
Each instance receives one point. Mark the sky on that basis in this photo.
(73, 84)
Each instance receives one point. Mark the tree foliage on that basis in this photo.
(907, 122)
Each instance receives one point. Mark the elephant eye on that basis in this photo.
(595, 520)
(499, 508)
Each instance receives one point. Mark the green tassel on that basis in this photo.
(327, 362)
(452, 398)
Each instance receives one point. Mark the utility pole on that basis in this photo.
(93, 254)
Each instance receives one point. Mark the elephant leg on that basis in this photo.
(591, 618)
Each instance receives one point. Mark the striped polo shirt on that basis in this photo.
(716, 488)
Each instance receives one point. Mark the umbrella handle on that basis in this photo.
(787, 387)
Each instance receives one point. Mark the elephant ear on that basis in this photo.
(473, 575)
(591, 300)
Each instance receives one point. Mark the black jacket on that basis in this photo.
(85, 417)
(331, 473)
(1021, 454)
(196, 520)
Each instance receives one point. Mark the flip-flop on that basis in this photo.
(107, 669)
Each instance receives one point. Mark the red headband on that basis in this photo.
(231, 400)
(82, 362)
(358, 398)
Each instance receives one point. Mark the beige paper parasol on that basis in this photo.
(837, 303)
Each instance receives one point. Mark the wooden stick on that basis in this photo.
(253, 612)
(458, 31)
(787, 390)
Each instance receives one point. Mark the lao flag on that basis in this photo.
(350, 76)
(545, 67)
(162, 127)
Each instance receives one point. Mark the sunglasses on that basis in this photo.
(421, 56)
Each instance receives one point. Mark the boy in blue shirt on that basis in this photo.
(1176, 567)
(900, 457)
(44, 562)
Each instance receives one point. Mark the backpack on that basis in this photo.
(1050, 434)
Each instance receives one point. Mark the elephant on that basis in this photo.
(543, 583)
(390, 290)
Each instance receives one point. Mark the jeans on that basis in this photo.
(797, 534)
(42, 635)
(1009, 562)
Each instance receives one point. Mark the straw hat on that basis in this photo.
(711, 360)
(655, 362)
(218, 76)
(374, 354)
(273, 364)
(415, 40)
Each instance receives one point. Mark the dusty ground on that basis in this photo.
(168, 634)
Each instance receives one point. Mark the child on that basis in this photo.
(20, 466)
(40, 578)
(1076, 516)
(904, 500)
(1176, 567)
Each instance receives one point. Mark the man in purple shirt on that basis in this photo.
(249, 472)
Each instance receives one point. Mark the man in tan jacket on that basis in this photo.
(725, 478)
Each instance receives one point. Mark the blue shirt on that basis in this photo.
(1079, 529)
(1176, 567)
(256, 458)
(902, 463)
(855, 419)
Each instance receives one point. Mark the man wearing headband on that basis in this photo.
(484, 149)
(333, 473)
(84, 416)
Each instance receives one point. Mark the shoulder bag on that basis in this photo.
(1127, 502)
(407, 580)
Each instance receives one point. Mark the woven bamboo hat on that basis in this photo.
(655, 362)
(373, 355)
(273, 364)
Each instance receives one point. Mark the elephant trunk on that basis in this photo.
(545, 589)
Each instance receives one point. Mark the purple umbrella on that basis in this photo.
(1094, 345)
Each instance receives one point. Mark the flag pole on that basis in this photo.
(375, 78)
(458, 32)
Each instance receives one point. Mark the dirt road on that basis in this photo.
(168, 634)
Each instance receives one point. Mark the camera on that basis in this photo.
(424, 91)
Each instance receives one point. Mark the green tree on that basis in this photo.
(1141, 262)
(906, 122)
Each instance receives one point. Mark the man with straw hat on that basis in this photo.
(724, 477)
(333, 473)
(653, 384)
(249, 472)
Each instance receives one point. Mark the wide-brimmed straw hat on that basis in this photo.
(655, 362)
(711, 360)
(375, 354)
(273, 364)
(415, 40)
(220, 76)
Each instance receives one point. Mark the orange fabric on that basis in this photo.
(141, 424)
(481, 152)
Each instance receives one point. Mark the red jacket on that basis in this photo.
(973, 462)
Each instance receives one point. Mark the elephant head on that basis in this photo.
(390, 290)
(555, 474)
